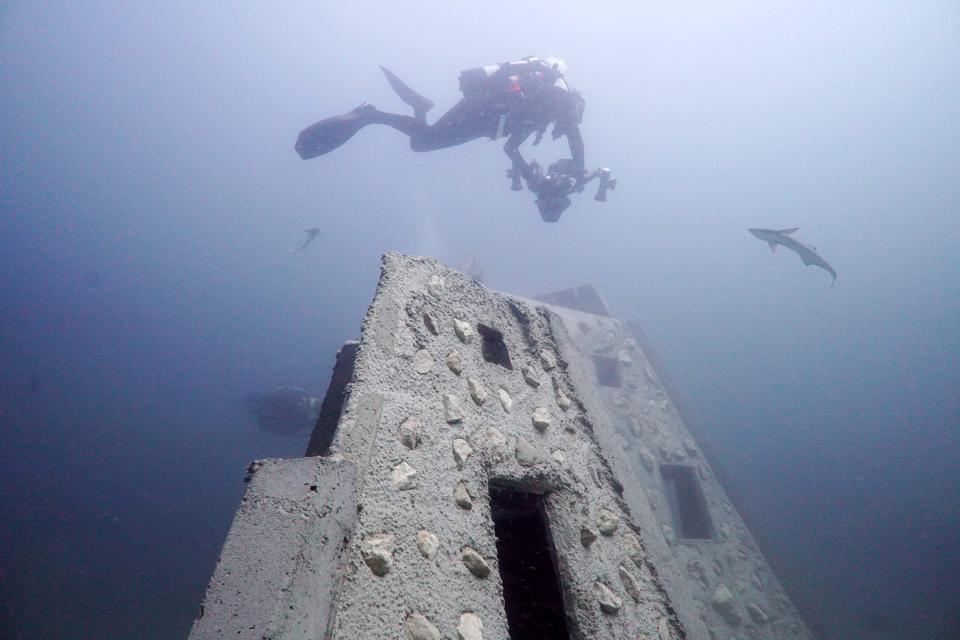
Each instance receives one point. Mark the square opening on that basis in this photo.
(493, 348)
(691, 519)
(528, 566)
(608, 371)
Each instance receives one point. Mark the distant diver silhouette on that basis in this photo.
(311, 234)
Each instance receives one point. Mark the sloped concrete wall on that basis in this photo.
(276, 577)
(423, 560)
(722, 584)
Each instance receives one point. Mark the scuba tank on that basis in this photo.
(507, 78)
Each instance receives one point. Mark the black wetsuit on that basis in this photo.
(528, 93)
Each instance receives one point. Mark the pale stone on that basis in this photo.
(690, 446)
(663, 629)
(431, 323)
(607, 521)
(609, 602)
(629, 583)
(461, 497)
(497, 443)
(624, 358)
(477, 391)
(725, 604)
(452, 409)
(475, 562)
(558, 456)
(454, 363)
(530, 376)
(587, 536)
(633, 549)
(649, 462)
(505, 399)
(404, 476)
(423, 361)
(724, 530)
(757, 614)
(526, 454)
(541, 419)
(417, 627)
(563, 401)
(436, 285)
(377, 552)
(547, 360)
(463, 330)
(410, 433)
(461, 451)
(469, 627)
(427, 544)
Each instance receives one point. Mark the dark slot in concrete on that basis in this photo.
(326, 428)
(528, 567)
(608, 371)
(690, 515)
(493, 348)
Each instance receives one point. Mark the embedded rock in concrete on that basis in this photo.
(663, 629)
(464, 331)
(633, 549)
(563, 401)
(410, 433)
(477, 391)
(461, 497)
(547, 360)
(505, 399)
(422, 361)
(526, 454)
(724, 530)
(404, 476)
(431, 323)
(558, 456)
(461, 451)
(609, 602)
(377, 552)
(629, 583)
(497, 443)
(530, 376)
(452, 409)
(417, 627)
(541, 419)
(587, 536)
(624, 358)
(427, 544)
(436, 285)
(469, 627)
(725, 604)
(690, 446)
(607, 521)
(649, 462)
(475, 562)
(757, 614)
(454, 363)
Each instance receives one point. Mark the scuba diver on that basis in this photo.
(284, 410)
(512, 99)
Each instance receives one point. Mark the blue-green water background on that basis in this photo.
(149, 193)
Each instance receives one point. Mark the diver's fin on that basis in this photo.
(419, 103)
(787, 232)
(773, 246)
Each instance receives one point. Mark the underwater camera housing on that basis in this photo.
(559, 181)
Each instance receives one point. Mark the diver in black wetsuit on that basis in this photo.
(514, 99)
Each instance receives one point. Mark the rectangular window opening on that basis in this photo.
(689, 508)
(608, 371)
(528, 566)
(494, 349)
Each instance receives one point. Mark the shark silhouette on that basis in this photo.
(807, 253)
(311, 234)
